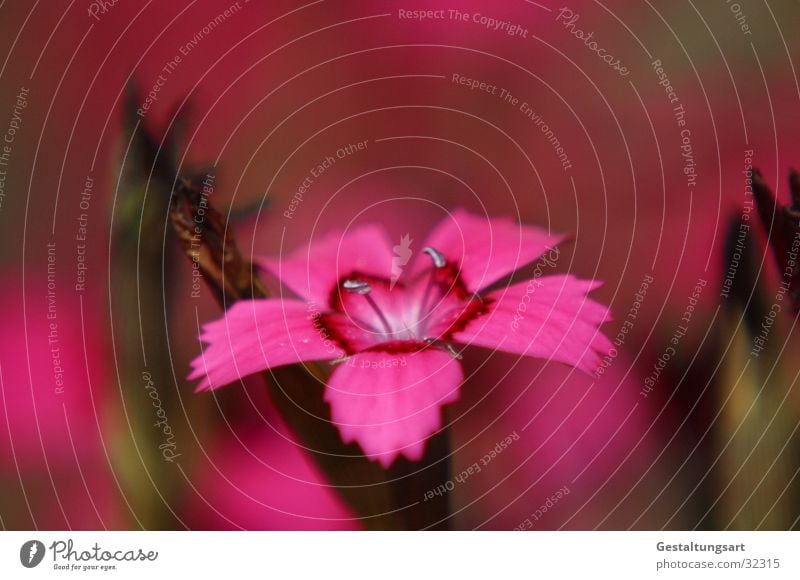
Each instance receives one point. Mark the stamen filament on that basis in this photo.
(439, 261)
(380, 314)
(363, 288)
(423, 303)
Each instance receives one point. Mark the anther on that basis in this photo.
(446, 346)
(357, 287)
(439, 261)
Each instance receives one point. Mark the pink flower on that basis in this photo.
(395, 342)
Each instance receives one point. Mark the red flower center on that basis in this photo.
(370, 313)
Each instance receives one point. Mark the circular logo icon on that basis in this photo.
(31, 553)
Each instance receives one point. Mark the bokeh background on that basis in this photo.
(96, 330)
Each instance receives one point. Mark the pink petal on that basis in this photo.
(390, 403)
(485, 250)
(255, 335)
(550, 317)
(314, 271)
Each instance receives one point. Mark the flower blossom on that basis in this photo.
(394, 342)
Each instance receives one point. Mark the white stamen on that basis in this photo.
(446, 346)
(357, 287)
(439, 261)
(362, 288)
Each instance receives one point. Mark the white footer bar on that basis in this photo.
(401, 555)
